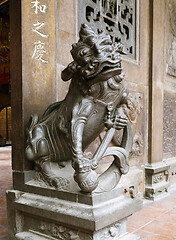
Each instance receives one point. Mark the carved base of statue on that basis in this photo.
(42, 213)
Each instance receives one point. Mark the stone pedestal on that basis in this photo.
(46, 213)
(156, 178)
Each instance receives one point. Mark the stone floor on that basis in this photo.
(5, 183)
(156, 221)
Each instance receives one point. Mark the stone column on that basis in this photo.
(156, 170)
(33, 76)
(33, 68)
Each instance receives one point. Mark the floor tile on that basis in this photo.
(137, 221)
(162, 228)
(169, 217)
(130, 229)
(165, 205)
(150, 236)
(151, 212)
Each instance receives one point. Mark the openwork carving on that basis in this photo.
(115, 17)
(94, 101)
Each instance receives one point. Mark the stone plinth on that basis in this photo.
(70, 215)
(156, 178)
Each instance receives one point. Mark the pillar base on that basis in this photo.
(78, 216)
(156, 180)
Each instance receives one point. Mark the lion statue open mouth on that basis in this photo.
(94, 101)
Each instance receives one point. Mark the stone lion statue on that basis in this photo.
(94, 102)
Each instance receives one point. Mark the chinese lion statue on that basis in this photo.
(94, 101)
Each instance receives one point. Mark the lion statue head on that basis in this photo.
(95, 57)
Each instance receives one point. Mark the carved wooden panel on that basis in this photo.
(169, 128)
(116, 17)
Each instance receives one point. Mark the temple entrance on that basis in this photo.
(5, 94)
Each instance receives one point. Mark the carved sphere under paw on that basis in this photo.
(87, 181)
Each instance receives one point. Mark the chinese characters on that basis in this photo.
(37, 28)
(39, 52)
(39, 7)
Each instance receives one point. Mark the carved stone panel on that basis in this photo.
(53, 230)
(136, 115)
(171, 37)
(169, 128)
(116, 17)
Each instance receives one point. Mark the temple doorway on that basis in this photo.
(5, 92)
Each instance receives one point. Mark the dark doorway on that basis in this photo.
(5, 93)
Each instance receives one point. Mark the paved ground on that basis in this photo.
(5, 183)
(156, 221)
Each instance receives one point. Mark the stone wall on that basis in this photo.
(169, 127)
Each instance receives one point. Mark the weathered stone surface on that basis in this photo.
(33, 68)
(67, 17)
(104, 217)
(156, 180)
(14, 218)
(169, 125)
(171, 37)
(133, 182)
(171, 172)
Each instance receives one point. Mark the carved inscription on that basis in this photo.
(116, 17)
(38, 27)
(169, 128)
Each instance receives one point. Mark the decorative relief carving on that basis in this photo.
(132, 109)
(171, 35)
(111, 232)
(173, 171)
(138, 145)
(116, 17)
(62, 233)
(134, 106)
(158, 177)
(63, 183)
(169, 128)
